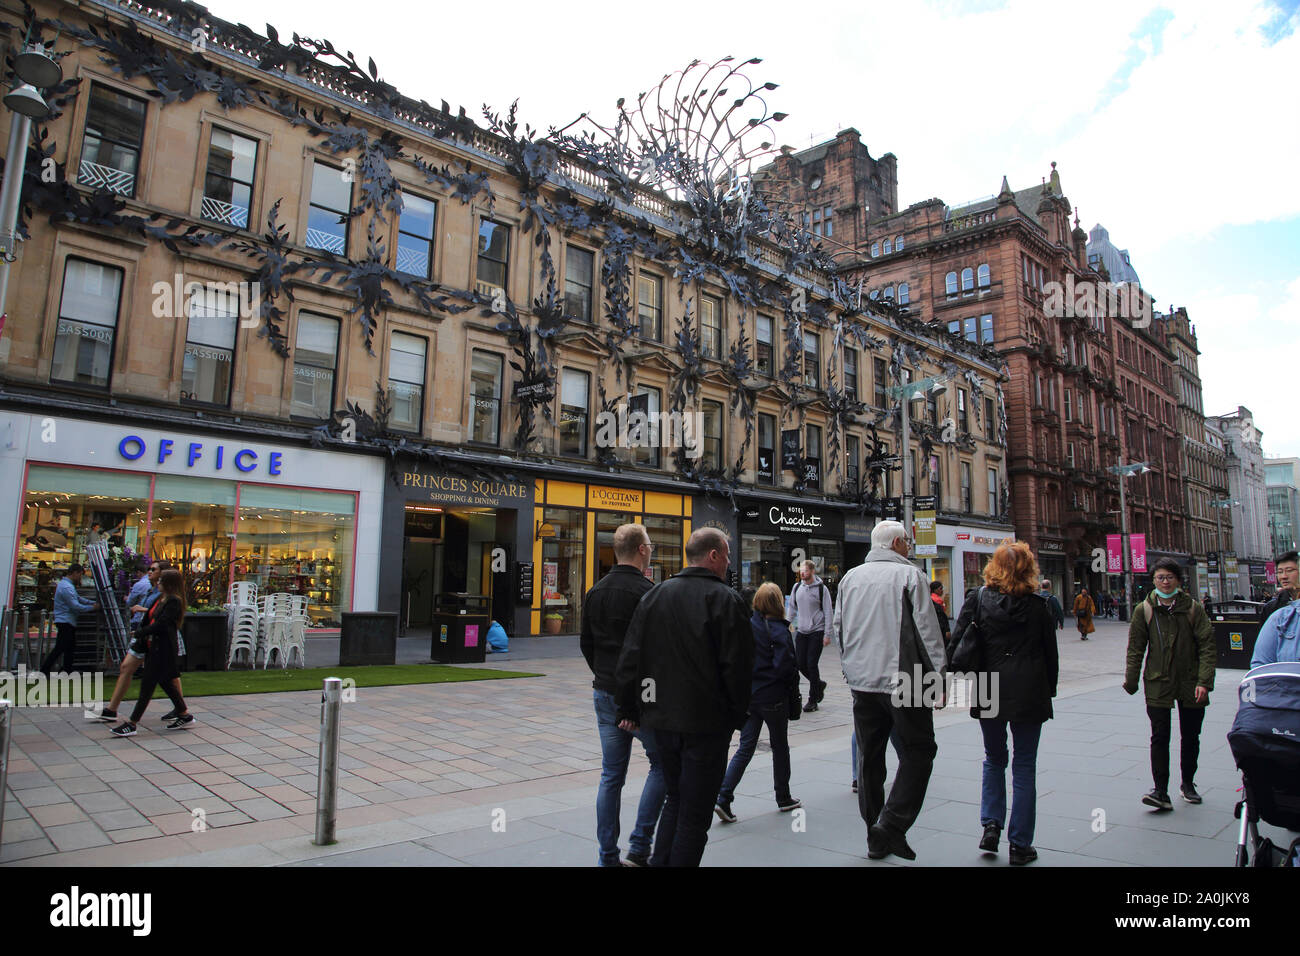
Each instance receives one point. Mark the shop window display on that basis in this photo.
(563, 558)
(193, 524)
(607, 522)
(666, 535)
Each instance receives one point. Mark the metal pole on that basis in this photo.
(6, 726)
(907, 462)
(327, 773)
(1218, 534)
(27, 635)
(4, 639)
(1124, 551)
(20, 128)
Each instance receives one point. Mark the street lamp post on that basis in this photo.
(1123, 471)
(1216, 504)
(907, 392)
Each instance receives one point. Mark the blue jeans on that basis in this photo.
(1024, 795)
(774, 715)
(615, 751)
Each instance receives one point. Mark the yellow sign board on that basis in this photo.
(615, 499)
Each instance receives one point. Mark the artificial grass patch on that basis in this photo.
(224, 683)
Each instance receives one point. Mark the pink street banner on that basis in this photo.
(1270, 572)
(1137, 544)
(1114, 555)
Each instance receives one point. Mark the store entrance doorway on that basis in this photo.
(456, 551)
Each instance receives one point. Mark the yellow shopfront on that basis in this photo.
(573, 547)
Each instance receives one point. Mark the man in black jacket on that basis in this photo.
(685, 673)
(1288, 583)
(607, 611)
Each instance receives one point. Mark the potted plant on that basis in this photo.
(551, 622)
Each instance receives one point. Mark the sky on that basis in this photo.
(1175, 125)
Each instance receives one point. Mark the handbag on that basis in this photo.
(794, 700)
(969, 653)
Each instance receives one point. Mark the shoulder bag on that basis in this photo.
(968, 655)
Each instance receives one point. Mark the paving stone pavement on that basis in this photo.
(504, 773)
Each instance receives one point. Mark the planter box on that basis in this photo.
(205, 641)
(368, 637)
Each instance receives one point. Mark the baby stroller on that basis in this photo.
(1265, 742)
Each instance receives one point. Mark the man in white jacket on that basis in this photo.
(889, 641)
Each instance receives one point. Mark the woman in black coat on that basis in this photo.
(159, 633)
(769, 701)
(1018, 653)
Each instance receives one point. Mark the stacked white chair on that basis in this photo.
(243, 623)
(298, 624)
(276, 628)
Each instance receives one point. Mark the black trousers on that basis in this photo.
(64, 646)
(693, 766)
(1189, 729)
(875, 717)
(807, 652)
(147, 685)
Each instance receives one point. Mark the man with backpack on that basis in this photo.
(811, 602)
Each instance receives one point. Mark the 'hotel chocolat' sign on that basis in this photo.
(786, 518)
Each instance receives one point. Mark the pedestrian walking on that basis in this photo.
(685, 673)
(1288, 585)
(1084, 609)
(813, 610)
(1174, 635)
(889, 637)
(1053, 605)
(1017, 648)
(67, 606)
(160, 634)
(769, 702)
(607, 612)
(941, 613)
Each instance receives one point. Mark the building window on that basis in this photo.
(228, 186)
(331, 199)
(765, 473)
(88, 307)
(315, 358)
(712, 457)
(210, 346)
(763, 351)
(932, 407)
(967, 281)
(650, 310)
(982, 276)
(493, 255)
(1038, 391)
(965, 487)
(1069, 407)
(647, 452)
(875, 249)
(110, 154)
(1069, 453)
(406, 361)
(813, 458)
(826, 218)
(950, 285)
(990, 422)
(415, 232)
(579, 280)
(898, 243)
(889, 292)
(904, 294)
(574, 403)
(993, 491)
(851, 373)
(986, 328)
(811, 361)
(963, 420)
(852, 459)
(710, 327)
(888, 247)
(954, 327)
(486, 372)
(879, 382)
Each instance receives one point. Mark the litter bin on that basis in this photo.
(1236, 628)
(368, 637)
(205, 641)
(460, 624)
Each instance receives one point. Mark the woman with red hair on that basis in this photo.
(1017, 648)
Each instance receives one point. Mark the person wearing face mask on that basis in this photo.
(1174, 634)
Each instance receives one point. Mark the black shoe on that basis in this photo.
(102, 716)
(1020, 855)
(787, 804)
(855, 786)
(180, 722)
(989, 842)
(170, 715)
(1190, 794)
(809, 707)
(124, 729)
(723, 810)
(636, 859)
(821, 691)
(1158, 800)
(882, 842)
(1082, 638)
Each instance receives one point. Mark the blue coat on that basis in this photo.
(774, 667)
(1279, 638)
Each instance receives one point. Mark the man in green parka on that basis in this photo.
(1172, 631)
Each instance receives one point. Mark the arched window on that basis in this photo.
(889, 292)
(950, 284)
(898, 243)
(967, 281)
(904, 295)
(873, 294)
(984, 276)
(889, 246)
(875, 249)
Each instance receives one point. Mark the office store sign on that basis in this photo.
(208, 455)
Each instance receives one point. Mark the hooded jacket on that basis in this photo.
(812, 606)
(1279, 638)
(688, 657)
(774, 668)
(886, 624)
(1020, 647)
(1178, 645)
